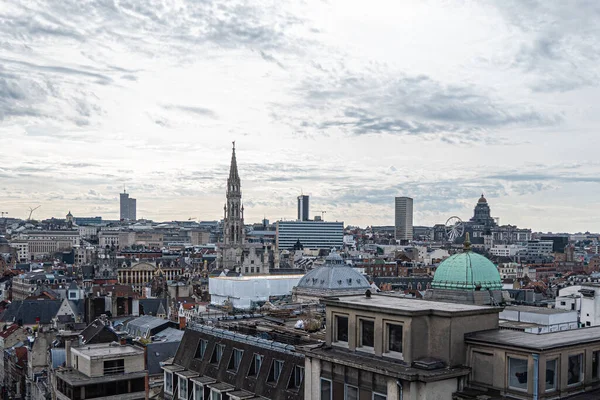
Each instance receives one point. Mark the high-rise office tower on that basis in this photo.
(303, 208)
(128, 207)
(404, 218)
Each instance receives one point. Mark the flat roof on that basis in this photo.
(382, 365)
(539, 342)
(403, 305)
(186, 373)
(203, 380)
(106, 350)
(257, 277)
(76, 378)
(538, 310)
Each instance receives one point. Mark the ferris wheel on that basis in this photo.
(455, 228)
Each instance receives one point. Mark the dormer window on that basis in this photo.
(217, 354)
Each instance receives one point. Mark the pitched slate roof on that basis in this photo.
(27, 311)
(152, 306)
(92, 330)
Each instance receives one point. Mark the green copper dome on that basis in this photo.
(467, 271)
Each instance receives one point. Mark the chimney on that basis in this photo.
(181, 322)
(68, 353)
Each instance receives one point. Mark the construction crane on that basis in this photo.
(31, 210)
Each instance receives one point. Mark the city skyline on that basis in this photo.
(352, 104)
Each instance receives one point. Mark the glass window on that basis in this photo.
(341, 328)
(198, 392)
(325, 389)
(220, 349)
(379, 396)
(169, 382)
(236, 359)
(296, 380)
(298, 376)
(201, 349)
(350, 392)
(575, 371)
(551, 375)
(517, 373)
(595, 364)
(367, 333)
(215, 395)
(255, 366)
(217, 354)
(394, 338)
(183, 388)
(277, 369)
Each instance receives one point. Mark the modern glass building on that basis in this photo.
(311, 234)
(303, 208)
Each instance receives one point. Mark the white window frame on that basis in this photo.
(256, 359)
(180, 386)
(298, 374)
(516, 357)
(170, 388)
(202, 345)
(360, 345)
(201, 387)
(382, 396)
(277, 371)
(239, 362)
(386, 330)
(330, 397)
(219, 351)
(346, 387)
(334, 339)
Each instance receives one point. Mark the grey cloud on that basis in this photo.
(270, 58)
(82, 71)
(518, 177)
(560, 45)
(411, 105)
(204, 112)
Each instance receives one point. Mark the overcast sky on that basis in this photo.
(351, 102)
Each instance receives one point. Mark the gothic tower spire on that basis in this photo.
(234, 219)
(233, 171)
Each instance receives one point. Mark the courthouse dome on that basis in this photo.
(334, 275)
(482, 199)
(467, 271)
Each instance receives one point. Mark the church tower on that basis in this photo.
(234, 253)
(233, 221)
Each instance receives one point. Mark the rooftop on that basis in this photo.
(402, 305)
(107, 350)
(372, 363)
(537, 310)
(256, 277)
(76, 378)
(539, 342)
